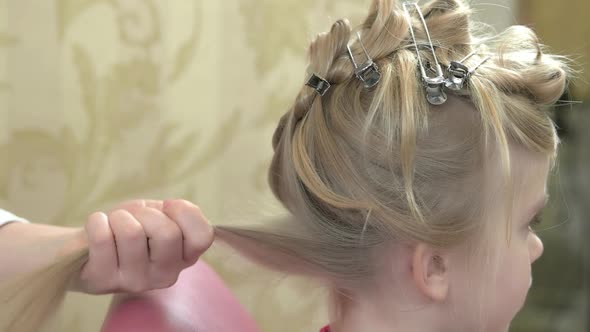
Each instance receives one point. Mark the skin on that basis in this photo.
(428, 289)
(138, 246)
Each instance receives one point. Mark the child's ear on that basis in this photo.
(430, 272)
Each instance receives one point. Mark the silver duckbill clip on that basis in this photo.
(458, 73)
(368, 72)
(319, 84)
(434, 85)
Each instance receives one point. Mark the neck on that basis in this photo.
(376, 316)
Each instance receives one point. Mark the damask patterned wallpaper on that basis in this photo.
(105, 100)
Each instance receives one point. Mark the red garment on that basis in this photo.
(325, 329)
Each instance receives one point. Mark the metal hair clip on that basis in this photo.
(368, 72)
(434, 85)
(318, 84)
(458, 73)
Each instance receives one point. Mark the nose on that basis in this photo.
(536, 248)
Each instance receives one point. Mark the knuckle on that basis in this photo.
(94, 218)
(196, 208)
(179, 205)
(99, 238)
(134, 233)
(169, 234)
(129, 204)
(124, 226)
(103, 240)
(198, 246)
(184, 202)
(118, 216)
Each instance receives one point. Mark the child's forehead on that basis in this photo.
(529, 172)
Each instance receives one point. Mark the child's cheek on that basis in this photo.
(515, 281)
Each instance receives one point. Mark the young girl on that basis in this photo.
(413, 162)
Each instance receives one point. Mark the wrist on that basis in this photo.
(30, 247)
(74, 245)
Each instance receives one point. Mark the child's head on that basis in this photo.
(408, 206)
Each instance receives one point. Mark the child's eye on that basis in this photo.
(535, 222)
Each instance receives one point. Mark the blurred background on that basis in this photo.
(105, 100)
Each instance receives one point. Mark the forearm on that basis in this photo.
(27, 247)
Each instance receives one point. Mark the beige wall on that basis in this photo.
(498, 13)
(564, 26)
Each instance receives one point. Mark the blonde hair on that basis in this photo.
(358, 168)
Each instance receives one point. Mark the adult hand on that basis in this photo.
(142, 245)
